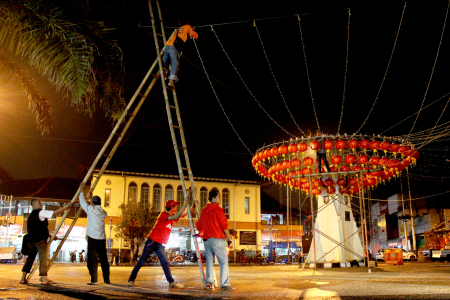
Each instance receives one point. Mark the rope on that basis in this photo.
(414, 199)
(415, 113)
(434, 66)
(274, 78)
(307, 73)
(387, 68)
(246, 86)
(220, 104)
(346, 68)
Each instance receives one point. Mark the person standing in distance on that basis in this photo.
(214, 225)
(158, 236)
(96, 238)
(37, 226)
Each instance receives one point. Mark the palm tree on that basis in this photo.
(74, 53)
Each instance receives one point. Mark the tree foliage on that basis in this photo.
(73, 52)
(135, 225)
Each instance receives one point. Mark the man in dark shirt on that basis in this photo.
(37, 225)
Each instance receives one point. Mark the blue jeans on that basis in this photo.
(171, 55)
(325, 160)
(150, 247)
(217, 247)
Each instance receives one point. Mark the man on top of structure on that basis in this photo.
(321, 154)
(96, 238)
(38, 234)
(174, 47)
(158, 236)
(214, 225)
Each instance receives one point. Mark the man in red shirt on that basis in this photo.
(174, 48)
(214, 225)
(158, 236)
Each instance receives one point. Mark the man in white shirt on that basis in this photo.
(37, 226)
(96, 238)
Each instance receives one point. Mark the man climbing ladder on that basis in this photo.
(174, 47)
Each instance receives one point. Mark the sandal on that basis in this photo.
(23, 282)
(48, 282)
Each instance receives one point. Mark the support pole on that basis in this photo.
(312, 220)
(413, 231)
(361, 213)
(404, 220)
(288, 194)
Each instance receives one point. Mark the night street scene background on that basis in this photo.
(258, 74)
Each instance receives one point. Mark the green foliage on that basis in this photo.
(135, 225)
(75, 54)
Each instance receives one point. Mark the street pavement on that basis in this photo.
(413, 280)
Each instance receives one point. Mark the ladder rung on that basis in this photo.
(172, 106)
(142, 95)
(181, 147)
(105, 155)
(177, 127)
(185, 169)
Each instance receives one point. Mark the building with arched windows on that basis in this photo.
(152, 177)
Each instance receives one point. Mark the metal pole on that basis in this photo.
(288, 194)
(110, 239)
(404, 220)
(312, 220)
(365, 225)
(413, 232)
(361, 215)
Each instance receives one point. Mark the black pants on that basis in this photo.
(319, 160)
(97, 250)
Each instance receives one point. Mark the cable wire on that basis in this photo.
(346, 68)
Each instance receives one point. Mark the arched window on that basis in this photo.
(145, 195)
(168, 192)
(132, 192)
(226, 202)
(203, 197)
(157, 197)
(180, 195)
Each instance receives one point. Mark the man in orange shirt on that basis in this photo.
(174, 48)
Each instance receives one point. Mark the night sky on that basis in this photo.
(373, 29)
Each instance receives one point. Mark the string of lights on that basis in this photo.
(434, 102)
(385, 73)
(413, 199)
(307, 72)
(220, 104)
(432, 70)
(346, 69)
(275, 79)
(246, 86)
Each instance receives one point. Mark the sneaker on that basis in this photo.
(170, 83)
(176, 285)
(130, 283)
(228, 288)
(210, 286)
(92, 283)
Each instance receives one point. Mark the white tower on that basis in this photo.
(336, 224)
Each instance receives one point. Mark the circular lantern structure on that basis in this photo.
(282, 163)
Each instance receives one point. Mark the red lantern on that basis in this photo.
(261, 155)
(383, 162)
(286, 165)
(306, 171)
(340, 145)
(316, 191)
(314, 145)
(402, 150)
(295, 163)
(353, 181)
(343, 190)
(327, 145)
(374, 160)
(345, 168)
(333, 169)
(385, 146)
(353, 144)
(331, 190)
(394, 148)
(374, 145)
(308, 161)
(336, 160)
(302, 147)
(274, 151)
(388, 173)
(364, 144)
(356, 168)
(317, 170)
(267, 153)
(362, 160)
(283, 149)
(329, 182)
(292, 148)
(341, 181)
(371, 181)
(350, 159)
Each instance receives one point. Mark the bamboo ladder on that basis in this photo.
(115, 138)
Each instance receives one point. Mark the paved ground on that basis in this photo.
(413, 280)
